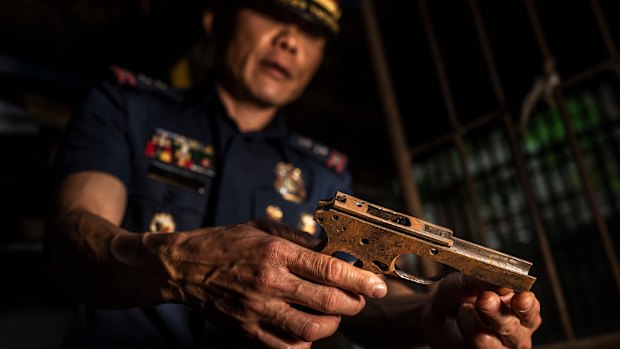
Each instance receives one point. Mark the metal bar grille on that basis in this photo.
(522, 173)
(561, 168)
(574, 146)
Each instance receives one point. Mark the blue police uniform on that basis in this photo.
(227, 177)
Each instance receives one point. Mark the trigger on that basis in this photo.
(419, 279)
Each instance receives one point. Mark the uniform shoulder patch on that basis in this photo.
(125, 77)
(329, 157)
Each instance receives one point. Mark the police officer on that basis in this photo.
(157, 225)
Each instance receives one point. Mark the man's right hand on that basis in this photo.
(255, 276)
(275, 290)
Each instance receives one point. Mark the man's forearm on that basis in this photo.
(106, 266)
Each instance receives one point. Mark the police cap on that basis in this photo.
(324, 14)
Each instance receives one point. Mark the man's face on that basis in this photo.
(271, 61)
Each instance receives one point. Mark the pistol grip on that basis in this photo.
(372, 245)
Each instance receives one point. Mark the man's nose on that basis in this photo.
(287, 39)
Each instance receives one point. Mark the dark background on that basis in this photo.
(51, 52)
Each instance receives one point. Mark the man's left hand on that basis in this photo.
(466, 312)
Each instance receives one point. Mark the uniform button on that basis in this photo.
(274, 212)
(307, 223)
(169, 196)
(162, 222)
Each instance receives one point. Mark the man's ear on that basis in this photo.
(207, 21)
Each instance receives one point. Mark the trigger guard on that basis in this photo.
(419, 279)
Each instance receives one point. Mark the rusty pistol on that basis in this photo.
(376, 236)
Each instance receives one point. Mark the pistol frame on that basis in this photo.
(377, 236)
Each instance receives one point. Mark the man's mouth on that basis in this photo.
(277, 70)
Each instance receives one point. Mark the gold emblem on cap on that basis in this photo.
(289, 182)
(307, 223)
(326, 11)
(162, 222)
(274, 212)
(331, 6)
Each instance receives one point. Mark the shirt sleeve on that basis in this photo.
(96, 138)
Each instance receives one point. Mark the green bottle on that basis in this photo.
(592, 110)
(455, 162)
(576, 114)
(556, 127)
(472, 163)
(531, 146)
(542, 130)
(499, 146)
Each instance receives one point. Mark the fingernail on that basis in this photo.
(379, 290)
(488, 303)
(526, 306)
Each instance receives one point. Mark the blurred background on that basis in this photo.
(499, 119)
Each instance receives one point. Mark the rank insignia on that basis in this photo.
(321, 150)
(307, 223)
(305, 142)
(162, 222)
(336, 161)
(274, 212)
(289, 182)
(124, 76)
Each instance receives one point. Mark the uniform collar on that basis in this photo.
(209, 98)
(275, 129)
